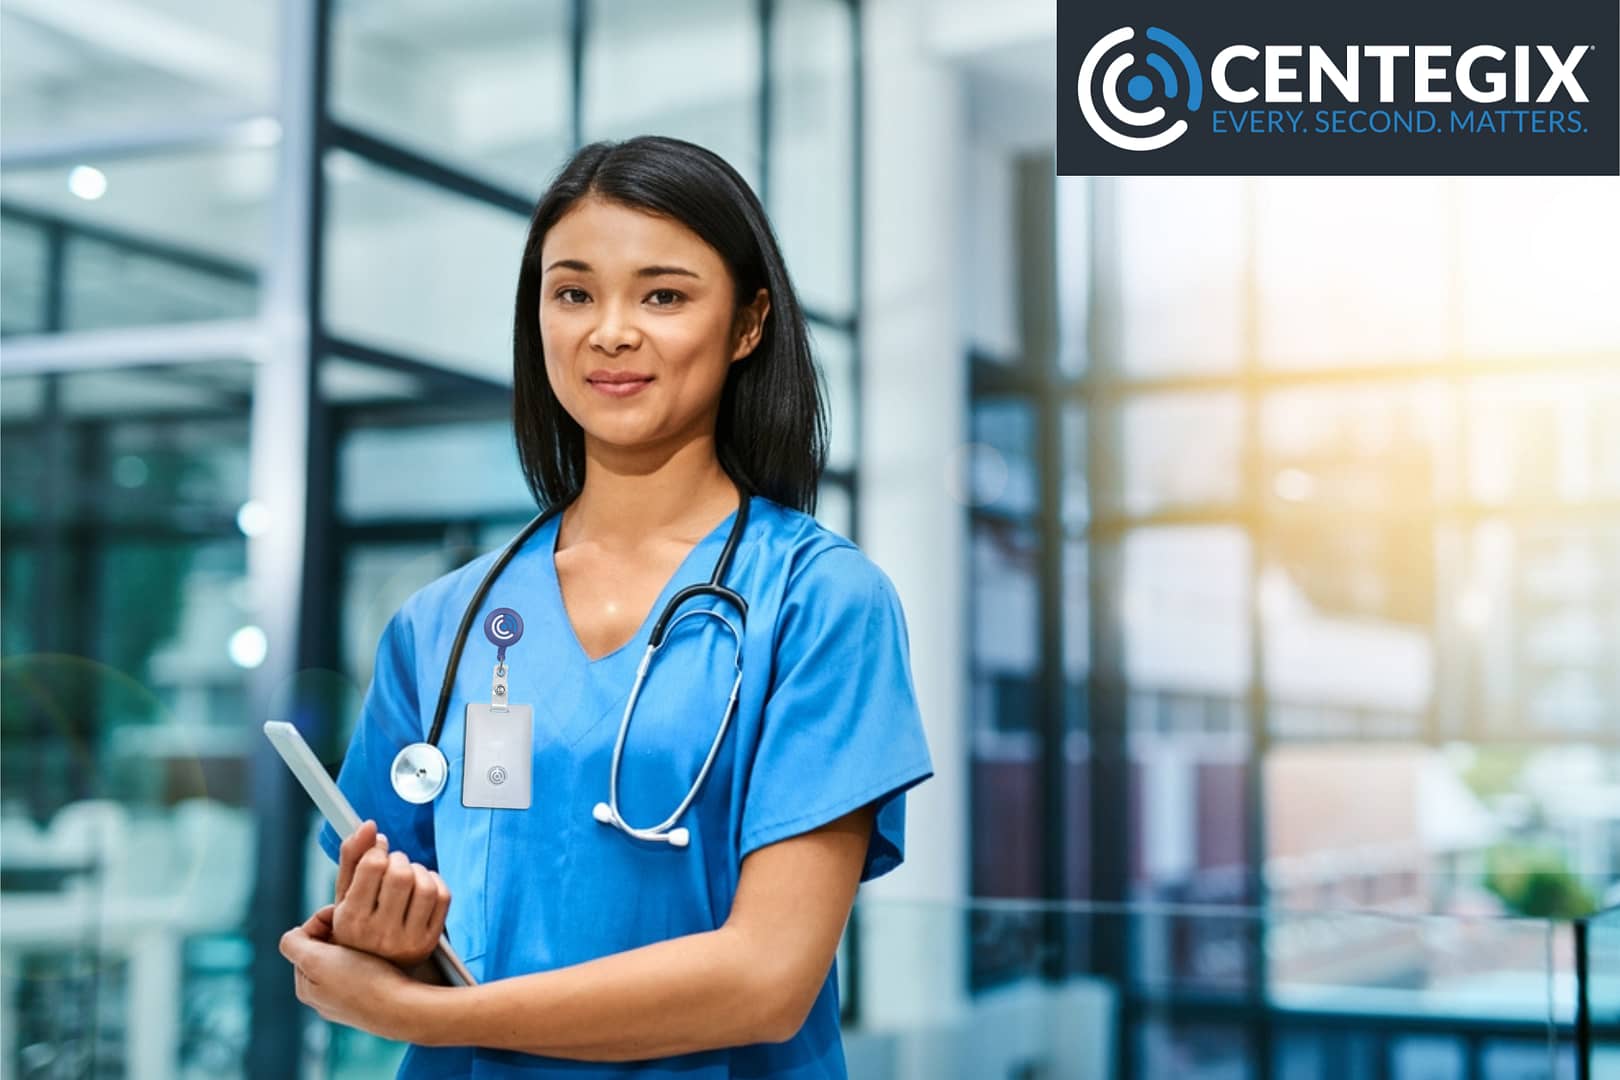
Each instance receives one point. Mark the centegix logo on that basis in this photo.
(1481, 73)
(1385, 87)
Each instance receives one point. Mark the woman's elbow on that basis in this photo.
(791, 997)
(780, 984)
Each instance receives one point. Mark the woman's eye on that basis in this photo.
(665, 297)
(572, 295)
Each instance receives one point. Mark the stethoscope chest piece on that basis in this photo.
(419, 772)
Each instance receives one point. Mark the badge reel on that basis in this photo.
(499, 737)
(420, 771)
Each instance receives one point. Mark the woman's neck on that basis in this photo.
(629, 497)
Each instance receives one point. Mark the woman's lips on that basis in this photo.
(619, 384)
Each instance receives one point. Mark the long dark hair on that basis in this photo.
(771, 433)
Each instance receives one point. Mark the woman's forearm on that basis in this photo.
(678, 996)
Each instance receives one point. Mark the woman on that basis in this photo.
(663, 386)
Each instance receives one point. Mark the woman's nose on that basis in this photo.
(614, 332)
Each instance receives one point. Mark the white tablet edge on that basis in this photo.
(334, 806)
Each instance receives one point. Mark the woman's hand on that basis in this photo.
(385, 904)
(343, 985)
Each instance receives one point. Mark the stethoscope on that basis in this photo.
(419, 771)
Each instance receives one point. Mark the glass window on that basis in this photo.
(1180, 450)
(1539, 619)
(195, 472)
(377, 579)
(1364, 448)
(1008, 829)
(1076, 613)
(1002, 467)
(418, 270)
(1076, 489)
(835, 509)
(351, 382)
(1427, 1057)
(125, 764)
(19, 581)
(812, 150)
(1346, 603)
(24, 287)
(173, 237)
(24, 444)
(1180, 299)
(1536, 265)
(1358, 962)
(457, 469)
(1309, 1055)
(1548, 437)
(1184, 609)
(988, 289)
(78, 67)
(834, 351)
(690, 70)
(1193, 1051)
(1006, 618)
(1353, 270)
(1073, 194)
(489, 92)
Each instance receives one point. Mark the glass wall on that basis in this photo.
(153, 216)
(129, 642)
(1295, 577)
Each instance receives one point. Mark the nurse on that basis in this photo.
(662, 375)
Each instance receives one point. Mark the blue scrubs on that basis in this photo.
(826, 723)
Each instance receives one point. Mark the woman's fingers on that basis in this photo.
(319, 924)
(359, 842)
(398, 882)
(441, 907)
(393, 907)
(368, 877)
(424, 895)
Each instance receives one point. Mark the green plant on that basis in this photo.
(1536, 881)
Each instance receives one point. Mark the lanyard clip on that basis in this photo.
(497, 690)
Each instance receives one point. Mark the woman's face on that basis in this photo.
(638, 324)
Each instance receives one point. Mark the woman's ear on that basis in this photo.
(749, 326)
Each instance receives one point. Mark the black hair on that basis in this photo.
(771, 432)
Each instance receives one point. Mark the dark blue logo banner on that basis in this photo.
(1175, 88)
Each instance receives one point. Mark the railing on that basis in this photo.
(1155, 991)
(110, 917)
(1597, 1017)
(1187, 991)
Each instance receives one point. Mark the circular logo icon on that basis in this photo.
(503, 627)
(496, 774)
(1154, 77)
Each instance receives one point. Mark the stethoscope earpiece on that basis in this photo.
(674, 837)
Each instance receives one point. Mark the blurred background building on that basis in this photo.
(1260, 539)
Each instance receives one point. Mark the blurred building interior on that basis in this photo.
(1259, 538)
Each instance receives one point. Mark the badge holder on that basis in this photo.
(499, 760)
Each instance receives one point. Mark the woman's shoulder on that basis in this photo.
(814, 558)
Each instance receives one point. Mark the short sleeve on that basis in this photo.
(841, 727)
(389, 720)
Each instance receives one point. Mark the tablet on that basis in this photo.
(337, 811)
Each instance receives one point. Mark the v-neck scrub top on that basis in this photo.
(826, 723)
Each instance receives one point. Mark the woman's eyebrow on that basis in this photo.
(582, 267)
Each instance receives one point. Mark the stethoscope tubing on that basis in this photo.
(660, 831)
(606, 813)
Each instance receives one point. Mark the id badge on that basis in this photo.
(499, 757)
